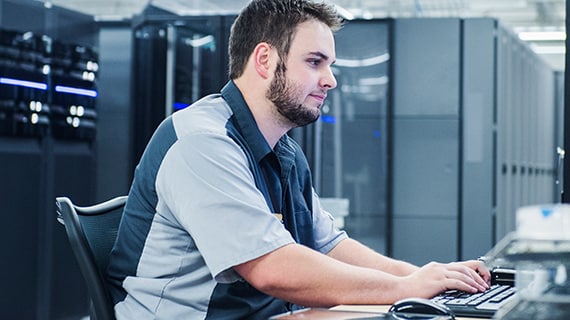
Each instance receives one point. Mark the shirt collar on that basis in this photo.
(245, 122)
(248, 128)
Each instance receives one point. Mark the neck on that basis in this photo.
(268, 120)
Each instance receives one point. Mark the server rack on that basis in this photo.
(41, 280)
(426, 132)
(527, 134)
(187, 58)
(113, 136)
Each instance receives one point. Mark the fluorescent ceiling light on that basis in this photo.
(198, 42)
(542, 35)
(367, 62)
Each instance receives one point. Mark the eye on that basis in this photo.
(314, 61)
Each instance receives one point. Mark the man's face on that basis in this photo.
(300, 86)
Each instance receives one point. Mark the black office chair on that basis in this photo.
(92, 232)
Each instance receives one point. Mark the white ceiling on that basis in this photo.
(520, 15)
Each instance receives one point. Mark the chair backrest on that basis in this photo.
(92, 232)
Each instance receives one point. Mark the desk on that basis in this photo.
(378, 309)
(342, 312)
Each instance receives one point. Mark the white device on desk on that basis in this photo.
(539, 251)
(544, 222)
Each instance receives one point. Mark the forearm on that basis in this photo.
(303, 276)
(355, 253)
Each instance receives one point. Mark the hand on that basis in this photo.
(434, 278)
(478, 267)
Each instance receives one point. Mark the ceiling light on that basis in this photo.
(542, 35)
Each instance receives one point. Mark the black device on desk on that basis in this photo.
(420, 309)
(483, 304)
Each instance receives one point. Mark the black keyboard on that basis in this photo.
(480, 305)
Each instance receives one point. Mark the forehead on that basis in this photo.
(313, 36)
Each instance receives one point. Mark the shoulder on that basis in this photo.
(209, 114)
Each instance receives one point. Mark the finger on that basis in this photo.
(468, 276)
(479, 279)
(484, 272)
(457, 284)
(480, 268)
(476, 275)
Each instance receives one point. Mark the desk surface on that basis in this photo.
(342, 312)
(378, 308)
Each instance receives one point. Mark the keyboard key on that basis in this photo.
(504, 295)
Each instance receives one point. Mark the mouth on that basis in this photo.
(319, 98)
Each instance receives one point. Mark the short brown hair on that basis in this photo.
(274, 22)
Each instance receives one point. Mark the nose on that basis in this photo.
(328, 79)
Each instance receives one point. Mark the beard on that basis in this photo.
(285, 95)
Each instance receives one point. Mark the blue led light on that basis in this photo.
(328, 119)
(24, 83)
(78, 91)
(180, 105)
(546, 212)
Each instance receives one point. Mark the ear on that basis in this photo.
(262, 61)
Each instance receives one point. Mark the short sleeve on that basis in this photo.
(327, 234)
(208, 187)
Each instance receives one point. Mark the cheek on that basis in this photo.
(306, 80)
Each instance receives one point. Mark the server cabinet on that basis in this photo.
(527, 132)
(176, 61)
(114, 111)
(22, 192)
(71, 149)
(23, 96)
(73, 167)
(426, 124)
(478, 137)
(24, 109)
(38, 163)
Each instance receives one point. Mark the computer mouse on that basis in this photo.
(420, 307)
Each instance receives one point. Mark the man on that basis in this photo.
(222, 221)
